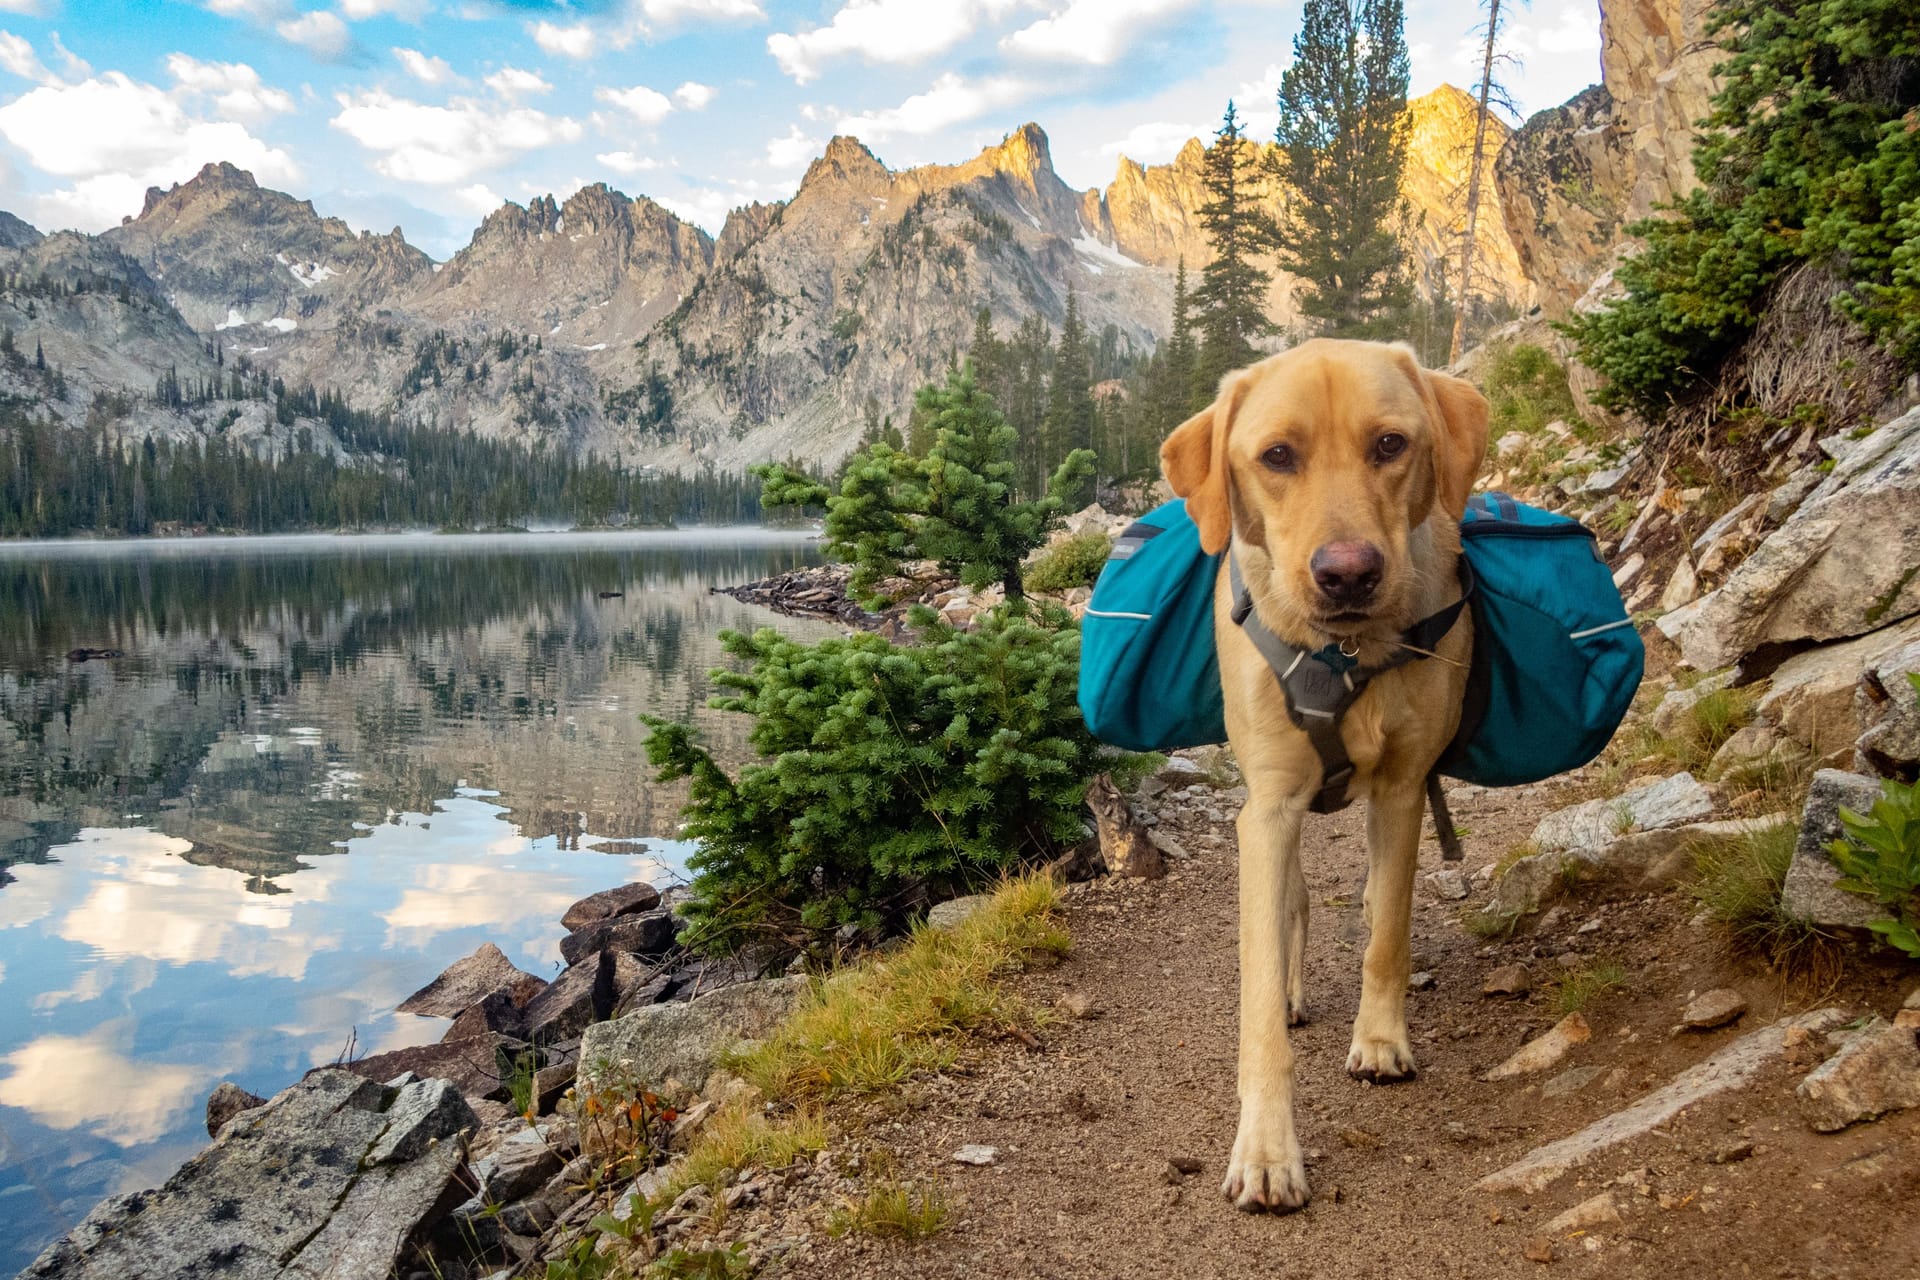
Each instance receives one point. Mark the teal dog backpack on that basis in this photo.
(1556, 660)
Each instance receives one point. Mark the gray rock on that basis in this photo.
(1628, 571)
(1571, 1081)
(1712, 1009)
(1813, 696)
(946, 915)
(1682, 587)
(683, 1041)
(1875, 1072)
(1508, 980)
(1890, 744)
(976, 1153)
(286, 1192)
(475, 1065)
(1448, 884)
(581, 995)
(1671, 714)
(1423, 980)
(467, 982)
(1810, 892)
(1791, 492)
(517, 1168)
(1544, 1051)
(1815, 577)
(227, 1101)
(646, 933)
(1671, 802)
(420, 1114)
(1730, 1068)
(626, 899)
(497, 1014)
(1724, 525)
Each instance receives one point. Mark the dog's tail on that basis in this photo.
(1450, 850)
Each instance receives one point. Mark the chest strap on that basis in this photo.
(1320, 685)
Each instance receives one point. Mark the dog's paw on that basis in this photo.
(1381, 1059)
(1266, 1172)
(1297, 1015)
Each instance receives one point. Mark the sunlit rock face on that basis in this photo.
(1576, 175)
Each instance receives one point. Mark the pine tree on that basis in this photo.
(975, 525)
(1179, 394)
(1343, 150)
(1070, 409)
(1231, 299)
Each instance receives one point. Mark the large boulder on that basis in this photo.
(1810, 891)
(477, 1065)
(683, 1041)
(1843, 565)
(647, 933)
(1887, 705)
(467, 982)
(1673, 801)
(331, 1178)
(1876, 1071)
(581, 995)
(1813, 696)
(608, 903)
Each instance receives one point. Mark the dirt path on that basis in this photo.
(1085, 1125)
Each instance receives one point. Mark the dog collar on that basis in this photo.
(1322, 684)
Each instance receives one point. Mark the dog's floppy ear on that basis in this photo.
(1461, 446)
(1194, 459)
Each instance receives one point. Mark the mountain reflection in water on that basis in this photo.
(321, 770)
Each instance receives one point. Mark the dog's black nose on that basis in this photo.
(1347, 572)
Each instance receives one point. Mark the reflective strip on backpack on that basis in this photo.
(1102, 613)
(1594, 631)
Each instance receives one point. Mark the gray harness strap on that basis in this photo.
(1321, 685)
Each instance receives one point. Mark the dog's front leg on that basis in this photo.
(1382, 1051)
(1266, 1170)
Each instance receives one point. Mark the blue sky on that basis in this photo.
(428, 113)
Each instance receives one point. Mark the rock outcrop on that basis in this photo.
(332, 1178)
(1844, 564)
(1576, 175)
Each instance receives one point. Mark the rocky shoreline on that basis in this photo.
(463, 1157)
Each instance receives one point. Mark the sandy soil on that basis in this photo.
(1086, 1123)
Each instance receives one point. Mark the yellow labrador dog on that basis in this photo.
(1337, 472)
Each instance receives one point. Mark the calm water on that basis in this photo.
(323, 769)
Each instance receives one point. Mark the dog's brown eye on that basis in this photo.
(1389, 446)
(1280, 457)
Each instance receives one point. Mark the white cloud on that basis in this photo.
(1573, 30)
(77, 67)
(26, 8)
(512, 82)
(705, 207)
(648, 106)
(477, 198)
(890, 31)
(950, 101)
(257, 10)
(792, 151)
(669, 12)
(1096, 32)
(405, 10)
(426, 68)
(320, 33)
(575, 41)
(67, 1082)
(235, 88)
(113, 137)
(627, 162)
(1154, 142)
(694, 96)
(445, 145)
(18, 58)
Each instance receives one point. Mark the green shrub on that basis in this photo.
(1075, 562)
(1880, 859)
(1526, 388)
(1810, 155)
(886, 768)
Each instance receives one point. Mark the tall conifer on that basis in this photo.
(1231, 299)
(1343, 150)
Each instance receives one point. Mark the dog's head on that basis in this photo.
(1330, 457)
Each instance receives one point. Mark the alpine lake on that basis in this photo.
(317, 771)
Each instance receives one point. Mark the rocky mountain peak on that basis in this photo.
(17, 233)
(1024, 153)
(214, 179)
(846, 159)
